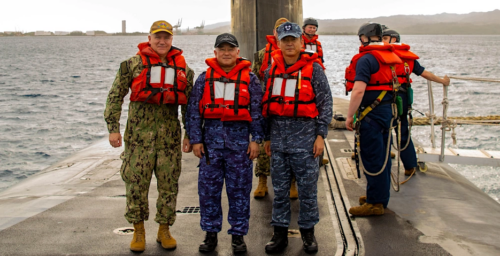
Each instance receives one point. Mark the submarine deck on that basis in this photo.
(75, 206)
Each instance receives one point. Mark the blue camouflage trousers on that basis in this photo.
(306, 170)
(235, 168)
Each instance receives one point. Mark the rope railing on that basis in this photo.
(494, 80)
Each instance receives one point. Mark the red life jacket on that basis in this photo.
(384, 78)
(404, 70)
(225, 95)
(160, 82)
(313, 45)
(286, 94)
(268, 60)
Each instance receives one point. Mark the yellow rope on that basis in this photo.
(477, 120)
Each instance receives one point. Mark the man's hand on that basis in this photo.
(319, 146)
(115, 139)
(186, 146)
(446, 80)
(349, 123)
(253, 150)
(198, 150)
(267, 147)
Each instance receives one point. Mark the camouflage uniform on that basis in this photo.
(292, 143)
(152, 143)
(263, 166)
(227, 144)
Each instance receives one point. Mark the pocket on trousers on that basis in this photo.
(125, 168)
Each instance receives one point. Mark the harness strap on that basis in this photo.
(372, 106)
(237, 93)
(175, 84)
(288, 76)
(212, 94)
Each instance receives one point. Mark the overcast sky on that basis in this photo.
(70, 15)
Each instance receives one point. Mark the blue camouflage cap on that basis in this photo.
(288, 29)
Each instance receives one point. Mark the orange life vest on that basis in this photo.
(313, 45)
(289, 92)
(384, 78)
(226, 95)
(268, 60)
(404, 70)
(159, 82)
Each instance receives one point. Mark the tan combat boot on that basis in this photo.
(325, 161)
(165, 238)
(367, 210)
(409, 171)
(261, 190)
(362, 200)
(138, 243)
(294, 194)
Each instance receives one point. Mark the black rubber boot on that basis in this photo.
(238, 244)
(279, 241)
(209, 243)
(309, 240)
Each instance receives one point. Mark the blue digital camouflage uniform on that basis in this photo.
(227, 144)
(292, 142)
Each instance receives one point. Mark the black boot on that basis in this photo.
(310, 244)
(238, 244)
(209, 243)
(279, 241)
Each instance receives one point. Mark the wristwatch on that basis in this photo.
(259, 141)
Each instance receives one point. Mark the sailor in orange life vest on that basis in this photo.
(403, 71)
(311, 42)
(298, 106)
(223, 111)
(370, 78)
(262, 61)
(159, 80)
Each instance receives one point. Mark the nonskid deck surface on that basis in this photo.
(84, 225)
(74, 206)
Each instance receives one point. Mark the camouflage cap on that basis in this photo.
(159, 26)
(279, 22)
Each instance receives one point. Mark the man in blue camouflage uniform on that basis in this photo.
(224, 148)
(294, 147)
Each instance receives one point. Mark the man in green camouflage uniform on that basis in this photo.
(153, 133)
(262, 60)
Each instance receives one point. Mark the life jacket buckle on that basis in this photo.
(224, 79)
(285, 76)
(287, 102)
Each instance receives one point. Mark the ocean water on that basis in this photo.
(54, 91)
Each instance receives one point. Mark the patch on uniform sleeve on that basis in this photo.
(124, 68)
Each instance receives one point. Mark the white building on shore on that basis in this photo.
(43, 33)
(61, 33)
(90, 33)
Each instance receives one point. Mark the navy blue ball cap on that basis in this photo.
(288, 29)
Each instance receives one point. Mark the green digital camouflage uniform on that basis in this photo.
(263, 161)
(152, 143)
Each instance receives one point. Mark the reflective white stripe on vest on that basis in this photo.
(311, 47)
(169, 75)
(290, 85)
(155, 75)
(223, 90)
